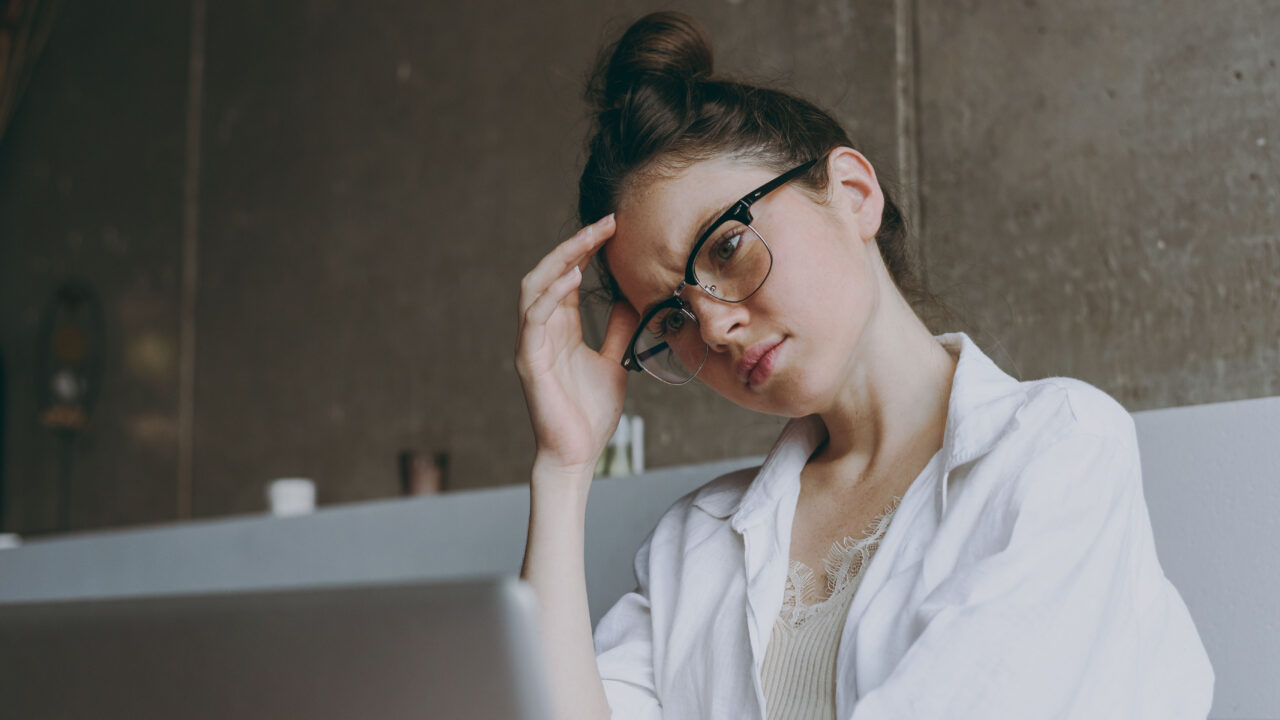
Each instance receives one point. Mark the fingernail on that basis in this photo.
(605, 219)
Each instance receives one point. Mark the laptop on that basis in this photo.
(460, 649)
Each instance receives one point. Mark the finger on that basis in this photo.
(623, 321)
(533, 323)
(574, 251)
(540, 311)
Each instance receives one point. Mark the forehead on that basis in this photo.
(658, 218)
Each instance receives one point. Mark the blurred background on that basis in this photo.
(246, 240)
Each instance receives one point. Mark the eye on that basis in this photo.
(673, 322)
(727, 246)
(667, 322)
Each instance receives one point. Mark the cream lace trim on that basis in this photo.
(844, 563)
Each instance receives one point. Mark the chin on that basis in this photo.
(779, 396)
(800, 394)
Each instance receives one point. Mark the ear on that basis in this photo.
(855, 190)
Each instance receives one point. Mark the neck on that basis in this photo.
(892, 409)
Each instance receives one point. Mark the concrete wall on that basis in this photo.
(368, 183)
(1100, 188)
(91, 178)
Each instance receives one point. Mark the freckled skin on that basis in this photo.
(824, 288)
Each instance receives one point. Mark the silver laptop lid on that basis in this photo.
(461, 649)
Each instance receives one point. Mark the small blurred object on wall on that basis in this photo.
(423, 475)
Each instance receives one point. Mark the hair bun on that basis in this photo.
(660, 47)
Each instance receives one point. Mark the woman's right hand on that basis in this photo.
(574, 394)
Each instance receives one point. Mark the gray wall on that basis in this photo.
(371, 182)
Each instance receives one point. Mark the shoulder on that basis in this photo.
(713, 501)
(1072, 439)
(1060, 407)
(721, 497)
(698, 519)
(1059, 433)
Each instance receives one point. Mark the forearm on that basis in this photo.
(554, 566)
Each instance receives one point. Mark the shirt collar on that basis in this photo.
(982, 408)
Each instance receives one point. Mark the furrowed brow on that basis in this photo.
(704, 226)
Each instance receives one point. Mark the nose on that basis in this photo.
(718, 321)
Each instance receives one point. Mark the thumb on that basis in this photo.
(623, 322)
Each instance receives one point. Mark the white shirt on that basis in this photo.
(1019, 578)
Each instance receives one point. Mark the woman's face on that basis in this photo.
(819, 296)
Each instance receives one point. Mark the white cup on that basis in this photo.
(291, 496)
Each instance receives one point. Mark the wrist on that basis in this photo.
(553, 485)
(548, 471)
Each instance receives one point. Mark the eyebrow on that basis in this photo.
(703, 227)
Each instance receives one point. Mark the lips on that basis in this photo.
(752, 358)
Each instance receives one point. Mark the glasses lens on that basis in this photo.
(733, 262)
(671, 347)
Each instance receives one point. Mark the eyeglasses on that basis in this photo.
(730, 262)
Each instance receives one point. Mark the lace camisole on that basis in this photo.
(799, 668)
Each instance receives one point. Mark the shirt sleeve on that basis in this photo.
(1071, 616)
(624, 649)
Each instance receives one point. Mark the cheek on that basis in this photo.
(827, 305)
(819, 281)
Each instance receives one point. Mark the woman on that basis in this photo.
(749, 246)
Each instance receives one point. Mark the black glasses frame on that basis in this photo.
(739, 211)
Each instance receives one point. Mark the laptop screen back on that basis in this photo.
(460, 649)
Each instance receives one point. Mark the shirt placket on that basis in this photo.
(765, 555)
(749, 542)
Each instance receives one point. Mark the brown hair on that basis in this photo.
(658, 108)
